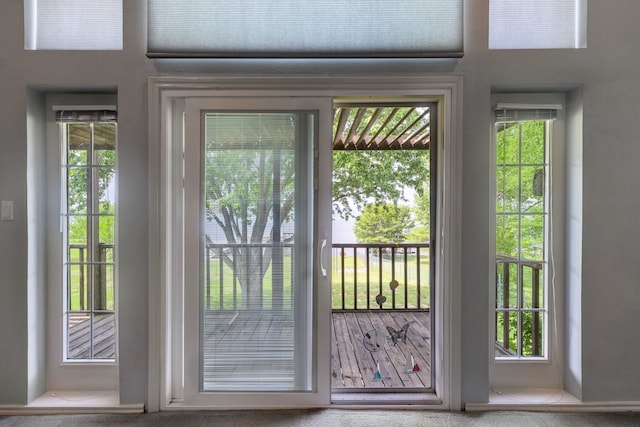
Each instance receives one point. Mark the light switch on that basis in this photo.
(6, 210)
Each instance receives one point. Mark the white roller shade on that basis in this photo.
(305, 28)
(539, 24)
(73, 24)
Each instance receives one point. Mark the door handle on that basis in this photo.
(323, 270)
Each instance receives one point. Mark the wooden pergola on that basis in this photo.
(382, 128)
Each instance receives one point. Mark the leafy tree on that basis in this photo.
(383, 223)
(364, 177)
(239, 198)
(240, 186)
(422, 210)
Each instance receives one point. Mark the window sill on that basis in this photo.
(545, 399)
(74, 402)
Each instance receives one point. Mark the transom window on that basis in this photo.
(540, 24)
(305, 28)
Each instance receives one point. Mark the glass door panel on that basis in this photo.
(255, 219)
(259, 313)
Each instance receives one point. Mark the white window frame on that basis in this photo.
(544, 371)
(64, 374)
(164, 91)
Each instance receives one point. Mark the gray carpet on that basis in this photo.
(331, 418)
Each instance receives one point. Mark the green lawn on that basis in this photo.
(336, 294)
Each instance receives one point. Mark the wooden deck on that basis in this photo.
(104, 340)
(353, 366)
(228, 333)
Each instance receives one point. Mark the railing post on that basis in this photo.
(100, 294)
(520, 307)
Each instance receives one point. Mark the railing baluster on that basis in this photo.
(368, 280)
(82, 285)
(342, 272)
(418, 281)
(207, 253)
(380, 272)
(355, 278)
(221, 278)
(393, 277)
(406, 280)
(235, 279)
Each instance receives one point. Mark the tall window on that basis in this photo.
(522, 231)
(88, 222)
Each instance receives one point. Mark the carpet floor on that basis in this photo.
(330, 418)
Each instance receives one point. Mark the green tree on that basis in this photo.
(422, 209)
(240, 184)
(519, 178)
(365, 177)
(383, 223)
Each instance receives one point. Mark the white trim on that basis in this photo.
(61, 373)
(163, 89)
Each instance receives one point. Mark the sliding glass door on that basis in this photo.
(256, 228)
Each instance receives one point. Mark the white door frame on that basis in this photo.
(165, 91)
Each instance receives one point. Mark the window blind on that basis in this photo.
(510, 113)
(539, 24)
(73, 24)
(85, 113)
(305, 28)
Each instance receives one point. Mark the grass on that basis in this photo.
(380, 283)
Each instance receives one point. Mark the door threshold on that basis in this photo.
(384, 399)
